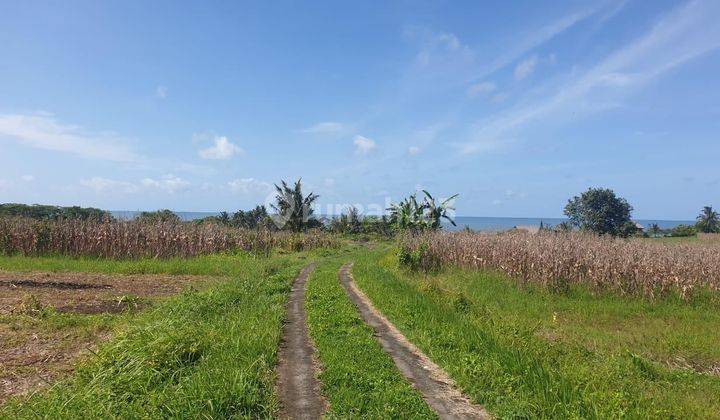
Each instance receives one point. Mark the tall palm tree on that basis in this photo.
(708, 221)
(295, 210)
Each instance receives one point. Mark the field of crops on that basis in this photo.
(560, 260)
(159, 330)
(133, 239)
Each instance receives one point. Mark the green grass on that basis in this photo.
(531, 353)
(207, 354)
(228, 264)
(360, 380)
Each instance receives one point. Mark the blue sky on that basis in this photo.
(516, 106)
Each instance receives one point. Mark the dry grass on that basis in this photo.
(130, 239)
(559, 261)
(709, 238)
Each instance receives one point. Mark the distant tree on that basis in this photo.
(599, 210)
(294, 209)
(708, 221)
(223, 218)
(350, 222)
(655, 229)
(683, 230)
(159, 216)
(46, 212)
(251, 219)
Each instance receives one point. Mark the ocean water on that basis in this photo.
(474, 223)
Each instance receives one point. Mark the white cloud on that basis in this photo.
(223, 149)
(413, 150)
(687, 32)
(44, 131)
(363, 145)
(481, 88)
(4, 184)
(525, 68)
(28, 178)
(101, 185)
(328, 127)
(161, 92)
(538, 37)
(249, 186)
(449, 41)
(168, 183)
(329, 182)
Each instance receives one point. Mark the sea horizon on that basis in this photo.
(482, 223)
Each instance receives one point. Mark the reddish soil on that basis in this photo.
(32, 354)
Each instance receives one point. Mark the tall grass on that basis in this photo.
(132, 239)
(560, 260)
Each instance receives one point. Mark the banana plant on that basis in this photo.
(410, 214)
(436, 212)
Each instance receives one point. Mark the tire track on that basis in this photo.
(298, 386)
(435, 385)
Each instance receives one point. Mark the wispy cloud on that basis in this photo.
(44, 131)
(327, 127)
(413, 150)
(161, 92)
(482, 88)
(683, 34)
(222, 149)
(363, 145)
(104, 185)
(538, 37)
(525, 68)
(168, 183)
(249, 186)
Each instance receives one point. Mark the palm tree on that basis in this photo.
(708, 221)
(295, 210)
(655, 229)
(435, 212)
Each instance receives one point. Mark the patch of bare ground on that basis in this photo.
(33, 358)
(33, 353)
(435, 385)
(85, 292)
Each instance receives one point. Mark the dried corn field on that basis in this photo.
(559, 260)
(130, 239)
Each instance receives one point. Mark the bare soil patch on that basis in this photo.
(298, 386)
(435, 385)
(34, 353)
(85, 292)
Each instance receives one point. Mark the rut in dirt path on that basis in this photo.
(437, 388)
(298, 387)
